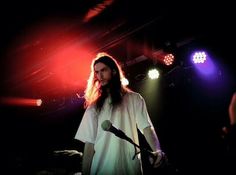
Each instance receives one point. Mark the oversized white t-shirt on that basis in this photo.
(114, 155)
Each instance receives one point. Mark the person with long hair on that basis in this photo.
(107, 99)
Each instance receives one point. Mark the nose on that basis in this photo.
(100, 76)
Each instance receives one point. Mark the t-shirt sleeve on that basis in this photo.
(142, 116)
(87, 130)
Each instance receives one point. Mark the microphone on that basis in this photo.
(107, 126)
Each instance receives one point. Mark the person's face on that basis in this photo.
(103, 73)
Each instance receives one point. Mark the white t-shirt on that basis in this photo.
(114, 155)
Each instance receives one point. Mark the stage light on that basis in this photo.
(153, 74)
(166, 58)
(203, 63)
(199, 57)
(19, 101)
(39, 102)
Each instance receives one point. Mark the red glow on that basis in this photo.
(71, 66)
(96, 10)
(13, 101)
(50, 57)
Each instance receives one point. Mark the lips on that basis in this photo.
(103, 81)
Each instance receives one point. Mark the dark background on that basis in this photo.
(187, 111)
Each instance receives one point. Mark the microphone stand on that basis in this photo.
(164, 160)
(169, 169)
(141, 149)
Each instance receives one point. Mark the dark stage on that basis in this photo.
(45, 52)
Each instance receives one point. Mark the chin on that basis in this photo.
(103, 84)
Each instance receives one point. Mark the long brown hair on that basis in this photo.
(94, 93)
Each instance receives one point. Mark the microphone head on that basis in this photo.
(106, 125)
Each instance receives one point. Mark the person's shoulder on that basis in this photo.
(91, 107)
(133, 94)
(234, 96)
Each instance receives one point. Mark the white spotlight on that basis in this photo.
(153, 74)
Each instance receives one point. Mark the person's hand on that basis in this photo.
(159, 160)
(68, 152)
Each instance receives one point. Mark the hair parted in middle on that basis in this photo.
(94, 93)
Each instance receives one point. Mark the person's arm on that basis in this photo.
(153, 141)
(87, 158)
(152, 138)
(232, 110)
